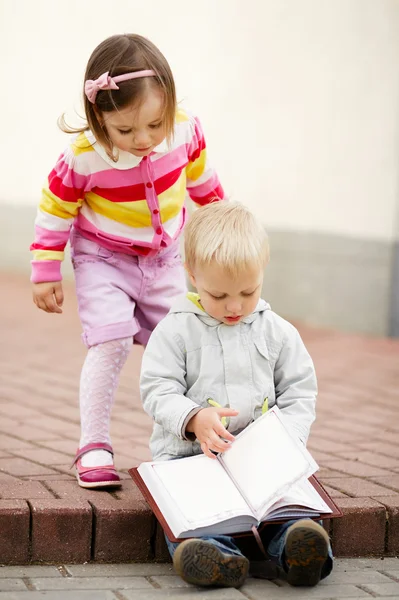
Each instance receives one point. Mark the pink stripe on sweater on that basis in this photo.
(49, 238)
(204, 188)
(69, 177)
(45, 270)
(117, 178)
(216, 194)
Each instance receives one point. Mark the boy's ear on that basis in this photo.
(190, 275)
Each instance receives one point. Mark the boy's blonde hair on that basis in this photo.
(226, 233)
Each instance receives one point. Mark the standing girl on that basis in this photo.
(117, 194)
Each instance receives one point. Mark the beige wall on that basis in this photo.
(299, 98)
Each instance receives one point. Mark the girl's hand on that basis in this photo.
(48, 296)
(208, 429)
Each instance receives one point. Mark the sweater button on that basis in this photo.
(158, 231)
(155, 211)
(149, 184)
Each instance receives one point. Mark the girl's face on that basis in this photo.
(137, 129)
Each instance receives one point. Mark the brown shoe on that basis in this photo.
(306, 551)
(202, 563)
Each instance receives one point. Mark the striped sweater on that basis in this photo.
(134, 205)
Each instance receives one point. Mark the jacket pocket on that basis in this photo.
(261, 346)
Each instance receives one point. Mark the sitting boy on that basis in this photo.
(218, 361)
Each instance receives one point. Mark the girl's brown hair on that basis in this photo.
(121, 54)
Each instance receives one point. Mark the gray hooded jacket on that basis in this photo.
(193, 361)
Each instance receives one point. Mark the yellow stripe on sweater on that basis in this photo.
(137, 214)
(195, 169)
(47, 255)
(181, 116)
(59, 208)
(81, 145)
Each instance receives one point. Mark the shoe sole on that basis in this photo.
(98, 484)
(201, 563)
(306, 550)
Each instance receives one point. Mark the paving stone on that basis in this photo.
(61, 445)
(12, 585)
(390, 481)
(119, 570)
(328, 445)
(14, 525)
(21, 466)
(255, 590)
(333, 493)
(357, 468)
(358, 577)
(91, 583)
(61, 595)
(56, 477)
(383, 589)
(71, 489)
(356, 564)
(25, 490)
(358, 488)
(34, 434)
(55, 425)
(29, 571)
(184, 594)
(380, 447)
(61, 530)
(5, 477)
(169, 581)
(45, 456)
(8, 443)
(361, 531)
(392, 573)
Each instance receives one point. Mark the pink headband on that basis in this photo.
(105, 82)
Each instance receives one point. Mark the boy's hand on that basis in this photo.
(48, 296)
(208, 429)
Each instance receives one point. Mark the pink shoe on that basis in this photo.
(95, 477)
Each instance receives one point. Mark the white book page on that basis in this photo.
(200, 489)
(303, 494)
(265, 461)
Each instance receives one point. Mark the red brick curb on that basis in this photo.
(105, 528)
(46, 517)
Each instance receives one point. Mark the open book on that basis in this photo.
(264, 476)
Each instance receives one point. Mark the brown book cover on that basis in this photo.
(336, 512)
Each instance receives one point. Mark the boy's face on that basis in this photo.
(226, 299)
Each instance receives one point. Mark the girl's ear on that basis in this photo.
(99, 115)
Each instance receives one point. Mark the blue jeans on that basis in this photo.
(274, 547)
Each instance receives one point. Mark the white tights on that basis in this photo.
(98, 383)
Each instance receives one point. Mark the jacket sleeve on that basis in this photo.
(296, 385)
(163, 384)
(62, 197)
(203, 183)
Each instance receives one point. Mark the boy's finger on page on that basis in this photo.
(217, 444)
(206, 451)
(223, 433)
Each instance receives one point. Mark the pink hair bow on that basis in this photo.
(105, 82)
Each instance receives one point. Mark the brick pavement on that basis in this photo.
(351, 578)
(49, 518)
